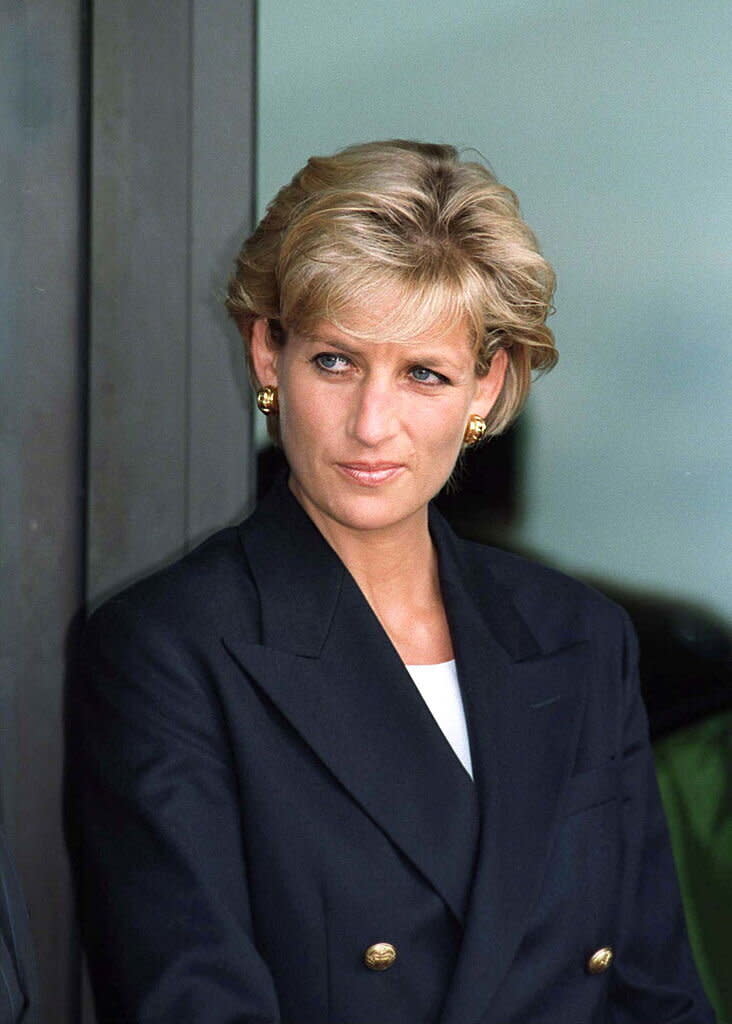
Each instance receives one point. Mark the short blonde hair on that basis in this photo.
(413, 221)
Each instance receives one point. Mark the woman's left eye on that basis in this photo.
(426, 376)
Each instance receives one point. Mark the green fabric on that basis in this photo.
(694, 767)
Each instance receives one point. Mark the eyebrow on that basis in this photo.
(320, 339)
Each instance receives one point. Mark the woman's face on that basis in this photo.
(372, 428)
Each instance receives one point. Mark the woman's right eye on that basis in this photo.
(331, 362)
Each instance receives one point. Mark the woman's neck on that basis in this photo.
(399, 578)
(396, 570)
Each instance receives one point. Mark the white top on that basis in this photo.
(439, 687)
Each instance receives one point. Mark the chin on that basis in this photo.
(365, 509)
(374, 512)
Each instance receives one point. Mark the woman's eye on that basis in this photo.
(425, 376)
(331, 362)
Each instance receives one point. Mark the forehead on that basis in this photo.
(369, 306)
(395, 317)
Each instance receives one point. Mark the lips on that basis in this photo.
(371, 474)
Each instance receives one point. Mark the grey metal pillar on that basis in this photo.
(138, 394)
(41, 451)
(172, 197)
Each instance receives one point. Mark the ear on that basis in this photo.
(489, 387)
(263, 353)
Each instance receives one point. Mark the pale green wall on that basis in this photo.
(612, 122)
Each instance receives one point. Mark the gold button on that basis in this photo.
(380, 956)
(600, 960)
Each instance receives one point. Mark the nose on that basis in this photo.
(374, 416)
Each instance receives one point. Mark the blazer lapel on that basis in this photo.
(326, 663)
(523, 708)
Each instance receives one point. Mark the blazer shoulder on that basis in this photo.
(198, 596)
(553, 603)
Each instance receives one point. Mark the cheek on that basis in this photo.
(443, 428)
(306, 421)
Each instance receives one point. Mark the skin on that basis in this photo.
(372, 430)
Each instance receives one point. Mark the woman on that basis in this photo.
(337, 764)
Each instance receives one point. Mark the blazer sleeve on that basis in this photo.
(654, 976)
(165, 911)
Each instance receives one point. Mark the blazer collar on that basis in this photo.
(467, 583)
(328, 665)
(290, 559)
(298, 575)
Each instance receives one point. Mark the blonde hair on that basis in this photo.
(410, 220)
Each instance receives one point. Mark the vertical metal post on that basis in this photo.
(42, 227)
(157, 423)
(172, 128)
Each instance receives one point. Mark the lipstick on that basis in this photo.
(371, 474)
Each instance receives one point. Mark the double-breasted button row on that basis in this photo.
(380, 956)
(600, 960)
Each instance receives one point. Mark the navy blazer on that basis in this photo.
(264, 794)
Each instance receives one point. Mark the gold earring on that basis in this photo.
(267, 400)
(474, 431)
